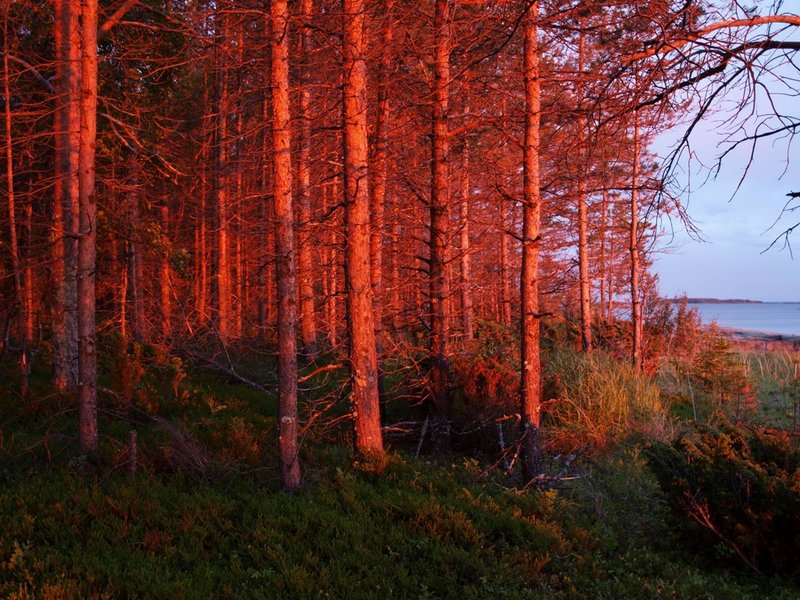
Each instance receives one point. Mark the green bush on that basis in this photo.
(738, 488)
(485, 374)
(718, 371)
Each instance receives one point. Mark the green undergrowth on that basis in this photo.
(205, 517)
(415, 531)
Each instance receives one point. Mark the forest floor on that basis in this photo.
(204, 516)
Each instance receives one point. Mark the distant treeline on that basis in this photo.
(718, 301)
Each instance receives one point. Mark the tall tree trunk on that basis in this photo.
(87, 254)
(331, 260)
(224, 307)
(16, 266)
(603, 233)
(505, 278)
(467, 312)
(134, 254)
(58, 322)
(363, 358)
(530, 389)
(201, 251)
(266, 264)
(583, 268)
(305, 262)
(238, 286)
(633, 247)
(65, 211)
(585, 284)
(380, 171)
(165, 276)
(28, 284)
(394, 259)
(284, 249)
(440, 192)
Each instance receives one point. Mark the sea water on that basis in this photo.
(771, 317)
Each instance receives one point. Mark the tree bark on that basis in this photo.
(224, 308)
(16, 266)
(239, 306)
(363, 358)
(530, 389)
(266, 271)
(440, 192)
(603, 233)
(87, 254)
(633, 247)
(331, 260)
(65, 205)
(284, 249)
(165, 276)
(504, 301)
(467, 312)
(305, 262)
(585, 283)
(380, 171)
(201, 243)
(394, 260)
(134, 254)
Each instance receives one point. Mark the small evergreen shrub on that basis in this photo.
(738, 489)
(719, 372)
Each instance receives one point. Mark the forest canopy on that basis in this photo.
(357, 179)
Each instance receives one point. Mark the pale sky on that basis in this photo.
(731, 263)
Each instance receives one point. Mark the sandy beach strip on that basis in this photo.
(761, 339)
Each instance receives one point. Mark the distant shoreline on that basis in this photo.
(765, 339)
(729, 301)
(720, 301)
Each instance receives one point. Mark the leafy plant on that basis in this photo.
(738, 488)
(486, 372)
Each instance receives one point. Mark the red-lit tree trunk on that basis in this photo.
(380, 171)
(467, 312)
(201, 229)
(305, 263)
(603, 253)
(284, 248)
(28, 286)
(134, 254)
(164, 280)
(87, 253)
(222, 277)
(16, 266)
(504, 299)
(440, 193)
(583, 270)
(57, 222)
(331, 261)
(363, 359)
(266, 278)
(65, 204)
(633, 247)
(583, 213)
(530, 391)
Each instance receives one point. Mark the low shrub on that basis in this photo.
(738, 488)
(719, 372)
(485, 373)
